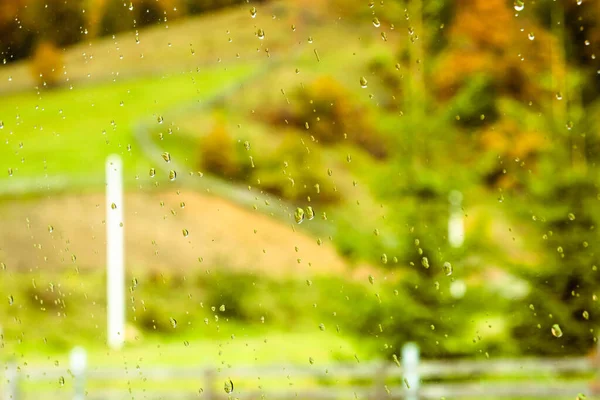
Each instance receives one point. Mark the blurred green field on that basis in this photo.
(48, 137)
(330, 113)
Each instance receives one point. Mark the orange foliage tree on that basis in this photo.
(47, 64)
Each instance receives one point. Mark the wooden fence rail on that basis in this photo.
(429, 379)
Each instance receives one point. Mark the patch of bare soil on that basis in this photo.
(221, 234)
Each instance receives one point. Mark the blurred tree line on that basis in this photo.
(498, 99)
(26, 26)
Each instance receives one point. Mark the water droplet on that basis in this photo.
(322, 327)
(113, 206)
(311, 360)
(363, 82)
(152, 172)
(329, 171)
(425, 262)
(376, 22)
(166, 156)
(130, 6)
(519, 5)
(186, 343)
(222, 308)
(11, 300)
(247, 145)
(310, 213)
(371, 279)
(556, 331)
(559, 96)
(253, 12)
(73, 257)
(260, 33)
(228, 386)
(172, 175)
(61, 381)
(1, 124)
(586, 315)
(571, 216)
(134, 283)
(50, 228)
(447, 268)
(569, 125)
(531, 36)
(160, 119)
(299, 215)
(310, 39)
(185, 232)
(10, 172)
(384, 258)
(173, 322)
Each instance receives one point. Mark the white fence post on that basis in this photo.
(78, 361)
(115, 274)
(456, 227)
(410, 366)
(11, 381)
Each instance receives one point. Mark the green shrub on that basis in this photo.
(332, 116)
(293, 172)
(219, 154)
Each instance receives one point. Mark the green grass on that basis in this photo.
(70, 132)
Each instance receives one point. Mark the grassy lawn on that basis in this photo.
(70, 132)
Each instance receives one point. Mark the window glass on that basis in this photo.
(312, 199)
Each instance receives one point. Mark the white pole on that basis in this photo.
(78, 361)
(115, 273)
(456, 227)
(410, 365)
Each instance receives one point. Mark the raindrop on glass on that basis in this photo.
(228, 386)
(556, 331)
(310, 213)
(447, 268)
(363, 82)
(299, 215)
(519, 5)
